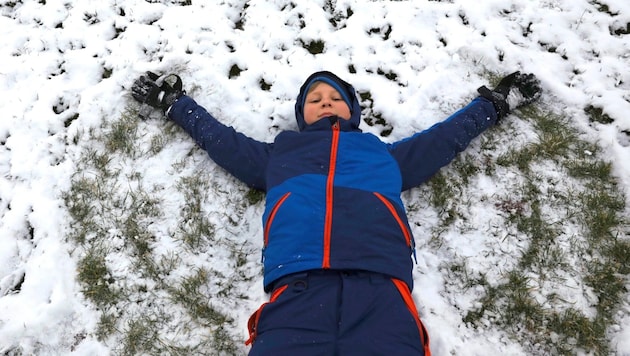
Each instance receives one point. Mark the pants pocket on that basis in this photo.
(252, 323)
(411, 306)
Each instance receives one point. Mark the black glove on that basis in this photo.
(513, 91)
(155, 91)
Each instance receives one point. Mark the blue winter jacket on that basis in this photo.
(333, 192)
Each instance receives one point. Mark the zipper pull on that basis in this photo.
(262, 255)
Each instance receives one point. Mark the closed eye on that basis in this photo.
(317, 100)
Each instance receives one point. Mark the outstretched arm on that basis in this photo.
(422, 155)
(242, 156)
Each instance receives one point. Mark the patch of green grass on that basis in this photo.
(442, 197)
(141, 336)
(79, 201)
(100, 162)
(590, 169)
(195, 227)
(157, 143)
(96, 278)
(466, 167)
(106, 325)
(121, 136)
(601, 212)
(538, 208)
(446, 187)
(555, 139)
(573, 328)
(191, 293)
(148, 304)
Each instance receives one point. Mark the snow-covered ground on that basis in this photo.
(67, 66)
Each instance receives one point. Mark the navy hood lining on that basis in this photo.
(345, 89)
(330, 82)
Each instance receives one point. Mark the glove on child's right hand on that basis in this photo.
(513, 91)
(155, 91)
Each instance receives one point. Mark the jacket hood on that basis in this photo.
(346, 90)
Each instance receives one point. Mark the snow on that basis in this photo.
(55, 91)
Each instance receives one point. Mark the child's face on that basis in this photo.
(322, 100)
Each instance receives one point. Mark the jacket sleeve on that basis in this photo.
(242, 156)
(423, 154)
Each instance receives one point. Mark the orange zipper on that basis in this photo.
(329, 194)
(272, 215)
(405, 293)
(392, 210)
(252, 323)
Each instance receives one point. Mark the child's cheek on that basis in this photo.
(309, 115)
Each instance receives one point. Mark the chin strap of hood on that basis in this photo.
(346, 90)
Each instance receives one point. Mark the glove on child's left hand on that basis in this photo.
(513, 91)
(156, 92)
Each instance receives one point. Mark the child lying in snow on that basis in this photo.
(337, 244)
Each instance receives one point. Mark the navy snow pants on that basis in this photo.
(338, 313)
